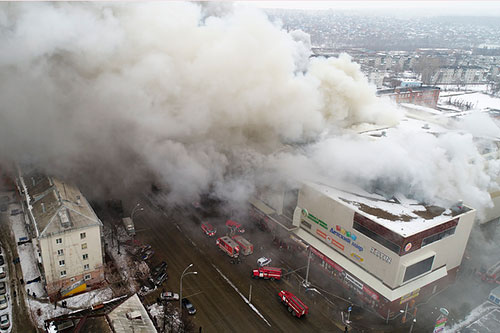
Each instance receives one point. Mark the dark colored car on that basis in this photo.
(3, 288)
(161, 278)
(186, 304)
(1, 260)
(160, 268)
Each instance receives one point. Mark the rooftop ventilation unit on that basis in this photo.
(134, 315)
(63, 215)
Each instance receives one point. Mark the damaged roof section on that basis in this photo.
(400, 215)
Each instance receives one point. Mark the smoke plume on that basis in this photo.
(202, 99)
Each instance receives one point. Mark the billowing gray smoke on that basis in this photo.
(117, 95)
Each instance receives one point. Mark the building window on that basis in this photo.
(87, 277)
(61, 262)
(438, 236)
(83, 235)
(419, 268)
(86, 267)
(84, 246)
(60, 252)
(377, 238)
(63, 273)
(58, 240)
(85, 256)
(306, 224)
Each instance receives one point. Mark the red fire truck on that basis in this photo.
(229, 246)
(295, 305)
(233, 225)
(245, 246)
(272, 273)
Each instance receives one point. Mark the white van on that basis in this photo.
(2, 272)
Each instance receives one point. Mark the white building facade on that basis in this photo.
(66, 234)
(386, 252)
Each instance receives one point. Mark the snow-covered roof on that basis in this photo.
(401, 215)
(122, 323)
(57, 206)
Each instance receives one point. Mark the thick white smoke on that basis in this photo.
(120, 94)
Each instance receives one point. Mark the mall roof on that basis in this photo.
(399, 214)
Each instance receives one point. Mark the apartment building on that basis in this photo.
(66, 234)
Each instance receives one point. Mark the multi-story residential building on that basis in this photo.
(387, 252)
(66, 234)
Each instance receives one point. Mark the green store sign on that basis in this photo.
(313, 218)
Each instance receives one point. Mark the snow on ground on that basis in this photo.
(478, 100)
(122, 260)
(29, 263)
(475, 314)
(172, 322)
(450, 89)
(82, 301)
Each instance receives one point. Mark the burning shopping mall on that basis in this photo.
(387, 251)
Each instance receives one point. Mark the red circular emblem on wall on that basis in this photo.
(407, 247)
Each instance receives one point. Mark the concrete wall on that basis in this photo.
(73, 256)
(324, 214)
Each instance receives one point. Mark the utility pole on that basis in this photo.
(250, 295)
(306, 283)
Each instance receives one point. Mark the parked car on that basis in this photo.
(263, 261)
(208, 229)
(160, 268)
(169, 296)
(2, 272)
(161, 278)
(4, 321)
(1, 260)
(3, 302)
(3, 288)
(186, 304)
(148, 255)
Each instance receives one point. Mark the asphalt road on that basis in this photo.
(20, 320)
(177, 238)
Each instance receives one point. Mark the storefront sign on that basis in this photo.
(407, 297)
(357, 257)
(381, 255)
(313, 218)
(407, 247)
(354, 281)
(329, 239)
(372, 294)
(327, 260)
(346, 236)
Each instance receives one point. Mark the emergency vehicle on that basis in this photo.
(235, 226)
(272, 273)
(245, 246)
(208, 229)
(294, 304)
(229, 246)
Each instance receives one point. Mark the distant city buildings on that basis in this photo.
(65, 232)
(413, 94)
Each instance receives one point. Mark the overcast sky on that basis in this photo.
(422, 7)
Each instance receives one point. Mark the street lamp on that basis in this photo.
(180, 287)
(306, 282)
(136, 209)
(413, 323)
